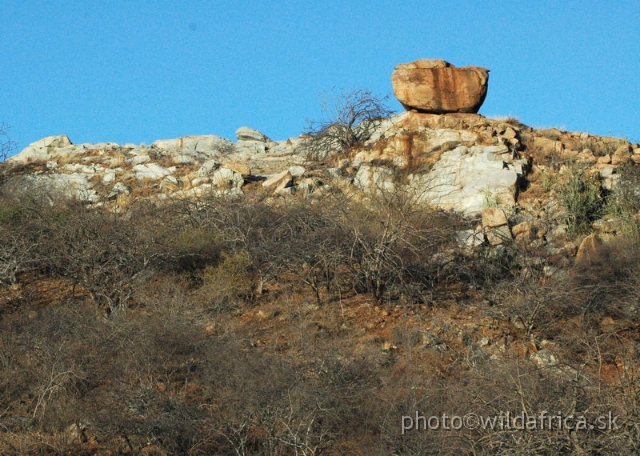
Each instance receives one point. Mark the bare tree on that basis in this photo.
(394, 244)
(6, 144)
(350, 119)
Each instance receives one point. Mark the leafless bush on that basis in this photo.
(624, 199)
(611, 287)
(395, 240)
(350, 119)
(20, 243)
(105, 253)
(7, 146)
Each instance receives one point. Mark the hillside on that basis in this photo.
(207, 296)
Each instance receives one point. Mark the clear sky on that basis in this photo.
(136, 71)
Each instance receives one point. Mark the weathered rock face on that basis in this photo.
(249, 134)
(41, 149)
(468, 179)
(436, 86)
(190, 166)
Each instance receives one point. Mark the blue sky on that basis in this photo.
(137, 71)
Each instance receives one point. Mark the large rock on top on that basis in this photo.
(438, 87)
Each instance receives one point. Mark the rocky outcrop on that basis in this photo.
(436, 86)
(41, 149)
(152, 171)
(192, 145)
(468, 179)
(189, 166)
(279, 181)
(249, 134)
(459, 162)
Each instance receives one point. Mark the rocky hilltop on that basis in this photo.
(455, 161)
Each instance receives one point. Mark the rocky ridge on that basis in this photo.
(499, 172)
(459, 162)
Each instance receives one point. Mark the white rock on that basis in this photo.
(250, 147)
(139, 151)
(104, 145)
(206, 144)
(494, 153)
(466, 180)
(139, 159)
(374, 178)
(199, 181)
(385, 125)
(170, 184)
(225, 178)
(198, 191)
(167, 144)
(182, 159)
(610, 183)
(469, 238)
(249, 134)
(31, 154)
(46, 148)
(335, 172)
(297, 170)
(83, 169)
(119, 189)
(608, 171)
(52, 141)
(68, 150)
(109, 176)
(152, 171)
(279, 181)
(283, 147)
(52, 187)
(208, 168)
(448, 138)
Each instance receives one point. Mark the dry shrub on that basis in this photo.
(582, 196)
(394, 242)
(350, 120)
(154, 374)
(225, 286)
(610, 286)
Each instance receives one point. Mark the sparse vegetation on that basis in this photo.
(350, 120)
(288, 325)
(623, 201)
(581, 195)
(6, 144)
(227, 326)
